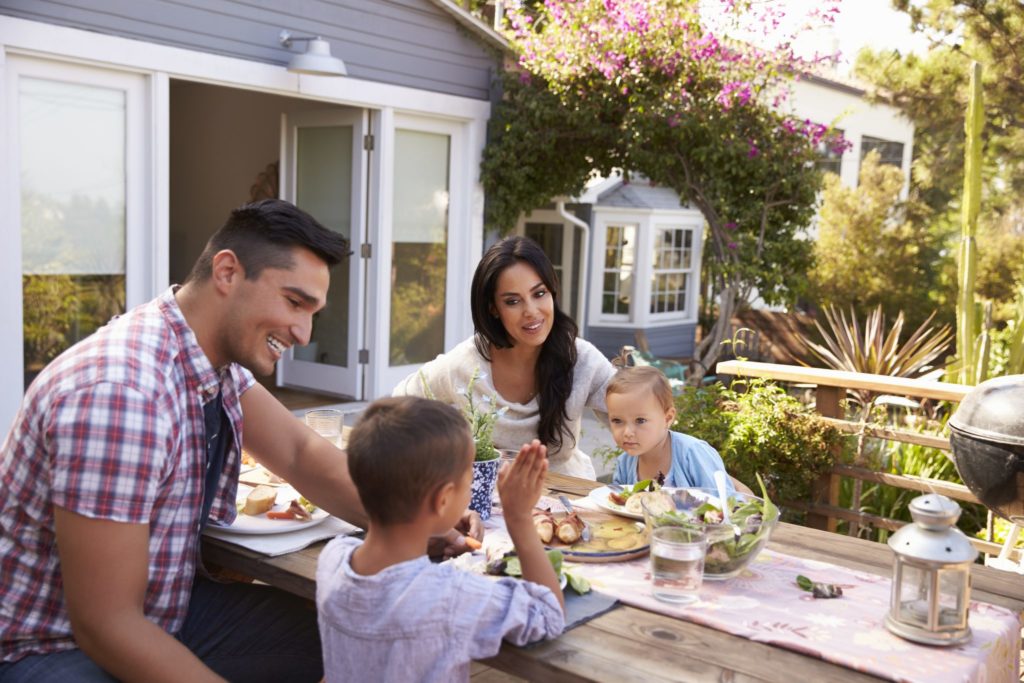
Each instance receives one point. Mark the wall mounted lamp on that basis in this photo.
(316, 60)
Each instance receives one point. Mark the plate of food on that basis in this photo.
(608, 538)
(625, 502)
(502, 561)
(268, 509)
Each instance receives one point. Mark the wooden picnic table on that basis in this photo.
(631, 644)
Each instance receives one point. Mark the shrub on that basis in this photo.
(761, 430)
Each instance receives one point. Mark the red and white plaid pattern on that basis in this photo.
(112, 429)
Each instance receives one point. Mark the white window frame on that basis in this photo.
(692, 273)
(646, 223)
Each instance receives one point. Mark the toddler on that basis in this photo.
(640, 411)
(386, 613)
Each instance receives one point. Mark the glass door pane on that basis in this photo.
(73, 223)
(419, 263)
(323, 187)
(323, 171)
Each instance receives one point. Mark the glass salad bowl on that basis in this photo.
(731, 547)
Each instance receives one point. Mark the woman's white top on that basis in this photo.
(448, 375)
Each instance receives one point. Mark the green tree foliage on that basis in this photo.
(869, 254)
(932, 91)
(651, 88)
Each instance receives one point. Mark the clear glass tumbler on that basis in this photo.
(677, 563)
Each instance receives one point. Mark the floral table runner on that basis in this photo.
(765, 605)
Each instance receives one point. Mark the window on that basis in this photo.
(619, 262)
(672, 260)
(419, 247)
(829, 159)
(889, 152)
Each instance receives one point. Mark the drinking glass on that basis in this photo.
(677, 563)
(327, 422)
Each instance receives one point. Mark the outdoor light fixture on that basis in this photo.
(931, 583)
(316, 60)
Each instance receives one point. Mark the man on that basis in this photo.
(130, 441)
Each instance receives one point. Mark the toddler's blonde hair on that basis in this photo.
(642, 377)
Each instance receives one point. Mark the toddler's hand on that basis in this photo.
(521, 483)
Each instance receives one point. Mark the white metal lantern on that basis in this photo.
(931, 582)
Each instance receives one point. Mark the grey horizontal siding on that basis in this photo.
(400, 42)
(674, 341)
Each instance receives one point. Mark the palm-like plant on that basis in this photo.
(875, 349)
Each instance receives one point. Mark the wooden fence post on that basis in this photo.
(827, 401)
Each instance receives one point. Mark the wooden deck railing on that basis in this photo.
(830, 386)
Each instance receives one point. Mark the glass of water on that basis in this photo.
(677, 563)
(327, 422)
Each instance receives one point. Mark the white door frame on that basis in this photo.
(346, 380)
(146, 254)
(463, 250)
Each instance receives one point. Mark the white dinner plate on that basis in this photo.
(261, 524)
(600, 496)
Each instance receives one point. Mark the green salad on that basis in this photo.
(728, 552)
(509, 566)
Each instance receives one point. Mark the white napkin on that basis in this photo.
(289, 542)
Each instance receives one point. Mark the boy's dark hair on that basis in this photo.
(401, 450)
(262, 235)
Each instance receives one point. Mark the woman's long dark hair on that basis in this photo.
(556, 364)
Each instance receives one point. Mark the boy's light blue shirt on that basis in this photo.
(693, 464)
(419, 621)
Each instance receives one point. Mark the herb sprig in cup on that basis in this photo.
(481, 419)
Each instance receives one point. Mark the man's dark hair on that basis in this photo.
(262, 235)
(402, 449)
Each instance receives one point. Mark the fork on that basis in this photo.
(585, 534)
(723, 498)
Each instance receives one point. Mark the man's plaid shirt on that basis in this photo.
(112, 429)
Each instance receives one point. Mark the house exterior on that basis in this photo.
(642, 247)
(132, 129)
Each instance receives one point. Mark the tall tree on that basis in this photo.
(868, 254)
(932, 90)
(651, 87)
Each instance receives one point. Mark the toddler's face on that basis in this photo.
(638, 421)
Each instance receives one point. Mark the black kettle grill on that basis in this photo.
(987, 436)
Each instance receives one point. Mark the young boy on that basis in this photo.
(386, 613)
(641, 410)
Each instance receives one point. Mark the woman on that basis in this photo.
(528, 356)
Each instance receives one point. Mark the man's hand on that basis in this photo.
(454, 543)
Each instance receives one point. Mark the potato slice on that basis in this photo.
(613, 529)
(632, 540)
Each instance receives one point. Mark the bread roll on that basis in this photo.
(260, 500)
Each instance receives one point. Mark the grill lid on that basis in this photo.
(993, 411)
